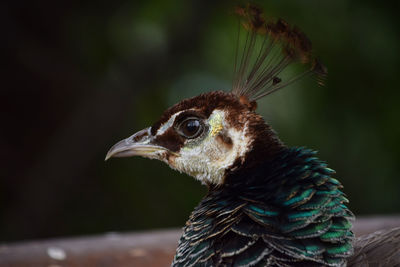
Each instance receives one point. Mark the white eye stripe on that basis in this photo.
(165, 126)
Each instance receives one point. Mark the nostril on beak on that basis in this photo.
(141, 135)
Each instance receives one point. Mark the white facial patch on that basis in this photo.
(208, 159)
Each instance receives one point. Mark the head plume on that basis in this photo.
(269, 48)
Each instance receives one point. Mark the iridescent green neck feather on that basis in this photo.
(285, 210)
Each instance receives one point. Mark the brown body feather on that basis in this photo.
(381, 248)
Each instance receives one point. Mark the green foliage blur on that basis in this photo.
(91, 74)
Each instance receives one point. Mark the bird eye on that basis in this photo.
(191, 128)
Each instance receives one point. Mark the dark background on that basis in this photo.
(79, 76)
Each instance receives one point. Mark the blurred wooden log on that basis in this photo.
(151, 248)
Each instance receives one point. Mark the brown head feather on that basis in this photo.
(205, 104)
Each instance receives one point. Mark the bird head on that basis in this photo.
(211, 134)
(204, 136)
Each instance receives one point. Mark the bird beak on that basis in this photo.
(139, 144)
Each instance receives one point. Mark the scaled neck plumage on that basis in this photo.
(285, 209)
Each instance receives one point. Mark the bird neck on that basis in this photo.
(278, 173)
(292, 199)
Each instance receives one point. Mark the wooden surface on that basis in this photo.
(151, 248)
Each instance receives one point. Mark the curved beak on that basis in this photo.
(139, 144)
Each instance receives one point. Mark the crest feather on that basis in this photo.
(269, 48)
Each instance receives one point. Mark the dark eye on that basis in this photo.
(191, 127)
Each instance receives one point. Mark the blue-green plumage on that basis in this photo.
(285, 211)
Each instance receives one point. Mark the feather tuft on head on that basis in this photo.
(269, 48)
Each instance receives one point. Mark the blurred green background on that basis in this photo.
(81, 75)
